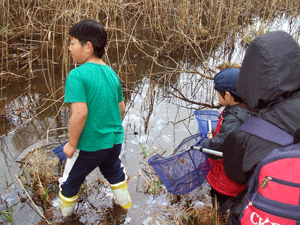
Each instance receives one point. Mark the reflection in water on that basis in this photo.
(167, 125)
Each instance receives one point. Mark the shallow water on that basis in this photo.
(164, 132)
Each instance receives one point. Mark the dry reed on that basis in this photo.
(34, 36)
(40, 173)
(35, 32)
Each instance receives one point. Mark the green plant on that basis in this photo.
(83, 188)
(29, 188)
(153, 191)
(143, 150)
(159, 184)
(8, 215)
(6, 181)
(46, 196)
(191, 218)
(25, 176)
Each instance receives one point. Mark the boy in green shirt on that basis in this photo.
(97, 109)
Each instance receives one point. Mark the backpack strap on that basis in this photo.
(267, 131)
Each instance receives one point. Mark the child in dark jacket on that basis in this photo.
(269, 83)
(233, 115)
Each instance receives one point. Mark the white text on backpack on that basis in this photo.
(255, 217)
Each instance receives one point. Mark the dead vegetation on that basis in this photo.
(157, 39)
(35, 33)
(40, 173)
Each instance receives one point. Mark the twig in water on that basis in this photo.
(40, 213)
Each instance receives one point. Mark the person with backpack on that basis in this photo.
(269, 82)
(233, 115)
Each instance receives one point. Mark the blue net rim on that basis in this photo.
(206, 112)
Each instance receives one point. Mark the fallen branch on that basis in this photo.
(39, 212)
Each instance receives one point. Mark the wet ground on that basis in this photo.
(168, 125)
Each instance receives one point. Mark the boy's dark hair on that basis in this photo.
(92, 31)
(235, 97)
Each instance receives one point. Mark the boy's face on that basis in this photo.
(78, 51)
(227, 100)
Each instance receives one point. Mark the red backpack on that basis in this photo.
(273, 195)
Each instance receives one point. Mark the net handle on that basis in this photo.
(208, 151)
(209, 129)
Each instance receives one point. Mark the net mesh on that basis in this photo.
(181, 173)
(194, 140)
(59, 152)
(203, 117)
(186, 169)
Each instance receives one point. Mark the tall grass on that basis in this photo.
(34, 33)
(169, 36)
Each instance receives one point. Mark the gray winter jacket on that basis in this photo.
(233, 117)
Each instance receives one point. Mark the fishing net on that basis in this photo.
(204, 117)
(187, 168)
(59, 152)
(183, 172)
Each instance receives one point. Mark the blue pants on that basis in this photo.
(108, 162)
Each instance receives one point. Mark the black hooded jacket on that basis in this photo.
(269, 82)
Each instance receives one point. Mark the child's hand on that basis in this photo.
(69, 150)
(209, 135)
